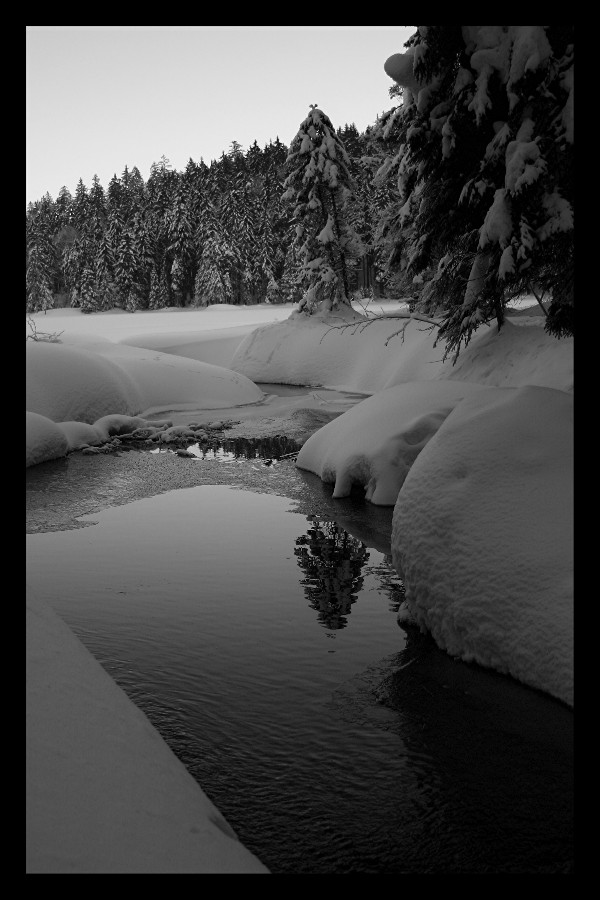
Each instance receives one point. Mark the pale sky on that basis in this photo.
(101, 97)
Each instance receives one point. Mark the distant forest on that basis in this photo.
(460, 198)
(217, 233)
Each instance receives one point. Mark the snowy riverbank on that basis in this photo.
(396, 447)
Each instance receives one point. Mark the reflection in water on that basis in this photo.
(333, 561)
(260, 448)
(491, 766)
(389, 581)
(268, 448)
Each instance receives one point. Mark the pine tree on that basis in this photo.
(126, 272)
(318, 186)
(63, 205)
(484, 167)
(96, 220)
(217, 258)
(80, 206)
(181, 244)
(40, 265)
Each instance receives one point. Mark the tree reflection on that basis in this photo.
(254, 448)
(333, 561)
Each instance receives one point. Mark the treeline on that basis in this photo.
(460, 198)
(217, 233)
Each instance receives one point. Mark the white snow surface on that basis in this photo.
(483, 535)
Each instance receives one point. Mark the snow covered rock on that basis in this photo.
(375, 443)
(483, 535)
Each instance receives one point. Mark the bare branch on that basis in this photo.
(416, 317)
(51, 338)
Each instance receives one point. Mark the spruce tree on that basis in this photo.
(40, 264)
(483, 159)
(318, 186)
(217, 259)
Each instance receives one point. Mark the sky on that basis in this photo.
(101, 97)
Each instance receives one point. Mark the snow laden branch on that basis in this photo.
(479, 163)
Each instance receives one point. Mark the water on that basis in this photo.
(261, 640)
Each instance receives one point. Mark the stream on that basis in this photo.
(253, 619)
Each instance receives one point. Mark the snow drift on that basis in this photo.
(483, 535)
(371, 355)
(74, 386)
(375, 443)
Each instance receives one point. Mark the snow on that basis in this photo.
(335, 354)
(105, 794)
(483, 534)
(376, 442)
(43, 439)
(72, 384)
(475, 458)
(400, 68)
(497, 225)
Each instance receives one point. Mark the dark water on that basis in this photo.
(261, 640)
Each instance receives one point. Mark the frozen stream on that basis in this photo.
(253, 620)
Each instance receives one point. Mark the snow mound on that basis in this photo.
(164, 381)
(44, 440)
(96, 388)
(483, 535)
(309, 350)
(375, 443)
(73, 384)
(521, 353)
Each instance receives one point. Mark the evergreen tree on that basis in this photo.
(126, 272)
(484, 164)
(318, 186)
(39, 274)
(80, 207)
(181, 242)
(63, 205)
(217, 258)
(96, 220)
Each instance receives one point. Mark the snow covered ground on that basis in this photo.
(475, 458)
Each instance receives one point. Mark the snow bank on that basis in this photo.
(307, 350)
(521, 353)
(75, 385)
(375, 443)
(68, 383)
(44, 440)
(215, 346)
(105, 794)
(482, 534)
(165, 382)
(304, 350)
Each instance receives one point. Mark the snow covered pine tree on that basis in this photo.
(318, 186)
(483, 158)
